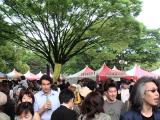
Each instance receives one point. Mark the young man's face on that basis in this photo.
(111, 94)
(46, 86)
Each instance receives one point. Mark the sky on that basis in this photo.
(150, 15)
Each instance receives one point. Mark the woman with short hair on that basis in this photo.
(26, 96)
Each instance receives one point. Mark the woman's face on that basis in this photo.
(151, 94)
(25, 116)
(26, 98)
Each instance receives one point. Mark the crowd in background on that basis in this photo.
(86, 100)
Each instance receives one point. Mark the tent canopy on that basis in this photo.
(101, 73)
(138, 72)
(86, 72)
(14, 74)
(30, 76)
(156, 72)
(115, 73)
(2, 76)
(39, 75)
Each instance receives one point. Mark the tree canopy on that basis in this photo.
(146, 50)
(58, 29)
(143, 50)
(11, 57)
(7, 31)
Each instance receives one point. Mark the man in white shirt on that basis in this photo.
(46, 100)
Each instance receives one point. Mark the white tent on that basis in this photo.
(30, 76)
(14, 74)
(84, 73)
(39, 75)
(156, 72)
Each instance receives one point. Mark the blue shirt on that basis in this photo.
(40, 100)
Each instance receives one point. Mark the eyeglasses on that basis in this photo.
(152, 90)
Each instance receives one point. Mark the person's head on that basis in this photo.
(3, 100)
(111, 91)
(46, 82)
(91, 84)
(92, 104)
(132, 82)
(67, 96)
(26, 96)
(25, 111)
(4, 88)
(63, 81)
(125, 84)
(144, 92)
(79, 82)
(72, 88)
(22, 77)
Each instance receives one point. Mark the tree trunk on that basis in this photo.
(57, 71)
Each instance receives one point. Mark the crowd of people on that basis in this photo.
(86, 100)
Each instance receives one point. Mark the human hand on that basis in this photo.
(46, 106)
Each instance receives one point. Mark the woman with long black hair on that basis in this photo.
(144, 101)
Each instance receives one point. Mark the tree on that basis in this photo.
(10, 54)
(11, 57)
(144, 51)
(57, 29)
(117, 34)
(7, 31)
(35, 63)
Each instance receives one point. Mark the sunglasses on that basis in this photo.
(152, 90)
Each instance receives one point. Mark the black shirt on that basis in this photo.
(63, 113)
(147, 118)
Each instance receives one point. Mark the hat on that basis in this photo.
(3, 98)
(84, 91)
